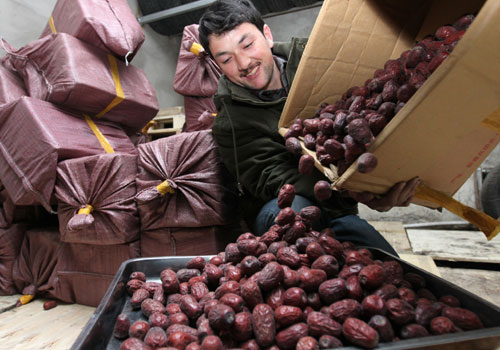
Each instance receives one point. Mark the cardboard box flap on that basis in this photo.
(443, 119)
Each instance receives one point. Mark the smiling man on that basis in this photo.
(251, 95)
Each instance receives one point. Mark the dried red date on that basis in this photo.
(286, 196)
(270, 276)
(138, 297)
(383, 327)
(360, 333)
(288, 338)
(322, 190)
(295, 231)
(350, 270)
(242, 326)
(251, 293)
(290, 277)
(307, 343)
(450, 300)
(295, 296)
(227, 287)
(134, 285)
(424, 313)
(310, 279)
(180, 340)
(288, 256)
(275, 297)
(264, 325)
(329, 342)
(232, 253)
(367, 162)
(319, 324)
(122, 325)
(342, 309)
(134, 344)
(373, 305)
(387, 291)
(235, 301)
(408, 295)
(138, 329)
(442, 325)
(332, 290)
(221, 317)
(413, 330)
(285, 216)
(399, 311)
(354, 289)
(327, 263)
(159, 320)
(169, 281)
(371, 276)
(156, 337)
(463, 318)
(293, 146)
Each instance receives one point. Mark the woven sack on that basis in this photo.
(11, 86)
(35, 135)
(84, 272)
(11, 239)
(95, 197)
(196, 73)
(64, 70)
(107, 24)
(180, 183)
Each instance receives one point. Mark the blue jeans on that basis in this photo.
(347, 228)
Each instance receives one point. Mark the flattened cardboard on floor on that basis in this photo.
(438, 135)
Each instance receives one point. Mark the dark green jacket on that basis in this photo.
(246, 133)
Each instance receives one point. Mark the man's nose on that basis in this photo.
(243, 62)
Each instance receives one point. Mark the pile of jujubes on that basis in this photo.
(291, 288)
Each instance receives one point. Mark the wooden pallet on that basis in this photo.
(168, 121)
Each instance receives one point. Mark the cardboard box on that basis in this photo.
(439, 135)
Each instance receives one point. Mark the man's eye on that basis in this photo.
(226, 60)
(247, 46)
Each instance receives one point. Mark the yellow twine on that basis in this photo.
(165, 188)
(87, 210)
(196, 49)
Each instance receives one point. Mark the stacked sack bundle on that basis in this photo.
(183, 196)
(64, 143)
(196, 78)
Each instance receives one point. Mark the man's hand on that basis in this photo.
(400, 195)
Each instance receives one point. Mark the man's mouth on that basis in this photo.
(251, 71)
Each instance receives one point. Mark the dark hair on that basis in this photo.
(225, 15)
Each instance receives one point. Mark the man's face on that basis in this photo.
(244, 56)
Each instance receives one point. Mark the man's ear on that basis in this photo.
(268, 35)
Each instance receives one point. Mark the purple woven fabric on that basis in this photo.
(106, 182)
(195, 75)
(11, 239)
(11, 85)
(35, 135)
(107, 24)
(193, 108)
(64, 70)
(84, 272)
(36, 261)
(190, 164)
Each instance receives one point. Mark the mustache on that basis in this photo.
(248, 70)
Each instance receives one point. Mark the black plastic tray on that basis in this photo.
(97, 333)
